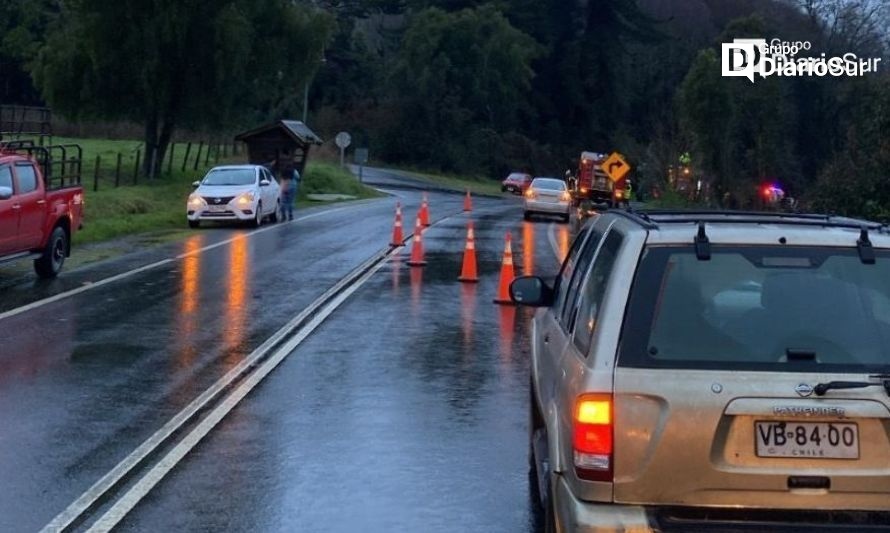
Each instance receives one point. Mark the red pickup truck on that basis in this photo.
(41, 203)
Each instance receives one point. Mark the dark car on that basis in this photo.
(517, 183)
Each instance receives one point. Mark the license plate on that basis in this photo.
(216, 208)
(807, 440)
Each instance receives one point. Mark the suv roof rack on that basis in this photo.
(651, 218)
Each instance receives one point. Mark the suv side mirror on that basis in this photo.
(531, 291)
(264, 183)
(5, 193)
(196, 184)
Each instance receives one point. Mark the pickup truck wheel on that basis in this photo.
(194, 223)
(50, 263)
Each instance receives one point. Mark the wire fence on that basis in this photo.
(181, 159)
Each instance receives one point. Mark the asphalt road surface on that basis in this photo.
(406, 410)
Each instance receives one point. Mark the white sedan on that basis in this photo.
(548, 196)
(243, 193)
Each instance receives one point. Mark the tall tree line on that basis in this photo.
(484, 86)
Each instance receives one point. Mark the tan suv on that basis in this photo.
(702, 371)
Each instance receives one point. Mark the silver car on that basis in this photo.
(713, 372)
(548, 196)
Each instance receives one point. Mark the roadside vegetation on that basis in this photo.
(458, 182)
(328, 178)
(159, 207)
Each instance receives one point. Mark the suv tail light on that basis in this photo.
(592, 440)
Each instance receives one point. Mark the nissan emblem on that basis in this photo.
(803, 390)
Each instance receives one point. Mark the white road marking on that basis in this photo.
(133, 272)
(147, 482)
(551, 236)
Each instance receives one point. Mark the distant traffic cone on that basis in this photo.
(468, 270)
(417, 246)
(397, 237)
(507, 274)
(425, 212)
(468, 202)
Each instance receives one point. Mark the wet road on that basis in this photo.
(406, 410)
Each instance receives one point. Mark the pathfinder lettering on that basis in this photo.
(809, 411)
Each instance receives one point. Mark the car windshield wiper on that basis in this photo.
(821, 388)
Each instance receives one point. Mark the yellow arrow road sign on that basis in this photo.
(615, 166)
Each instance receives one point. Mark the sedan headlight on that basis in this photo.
(244, 199)
(196, 201)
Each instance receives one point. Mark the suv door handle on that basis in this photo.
(17, 206)
(41, 202)
(546, 338)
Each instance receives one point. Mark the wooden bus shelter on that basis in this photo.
(282, 145)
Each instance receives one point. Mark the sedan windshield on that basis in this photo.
(549, 184)
(230, 176)
(800, 309)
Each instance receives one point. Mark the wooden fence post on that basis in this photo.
(117, 172)
(96, 173)
(185, 160)
(153, 166)
(198, 156)
(170, 161)
(136, 167)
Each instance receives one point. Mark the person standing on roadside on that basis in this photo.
(288, 195)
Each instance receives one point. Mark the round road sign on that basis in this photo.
(343, 139)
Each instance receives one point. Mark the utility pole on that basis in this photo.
(305, 101)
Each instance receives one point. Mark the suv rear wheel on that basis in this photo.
(540, 494)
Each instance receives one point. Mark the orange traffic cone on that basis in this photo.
(468, 202)
(507, 275)
(417, 246)
(425, 212)
(468, 270)
(397, 237)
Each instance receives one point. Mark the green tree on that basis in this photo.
(461, 78)
(22, 27)
(171, 63)
(702, 98)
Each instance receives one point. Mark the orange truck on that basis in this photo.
(41, 203)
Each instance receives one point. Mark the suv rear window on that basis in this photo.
(748, 308)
